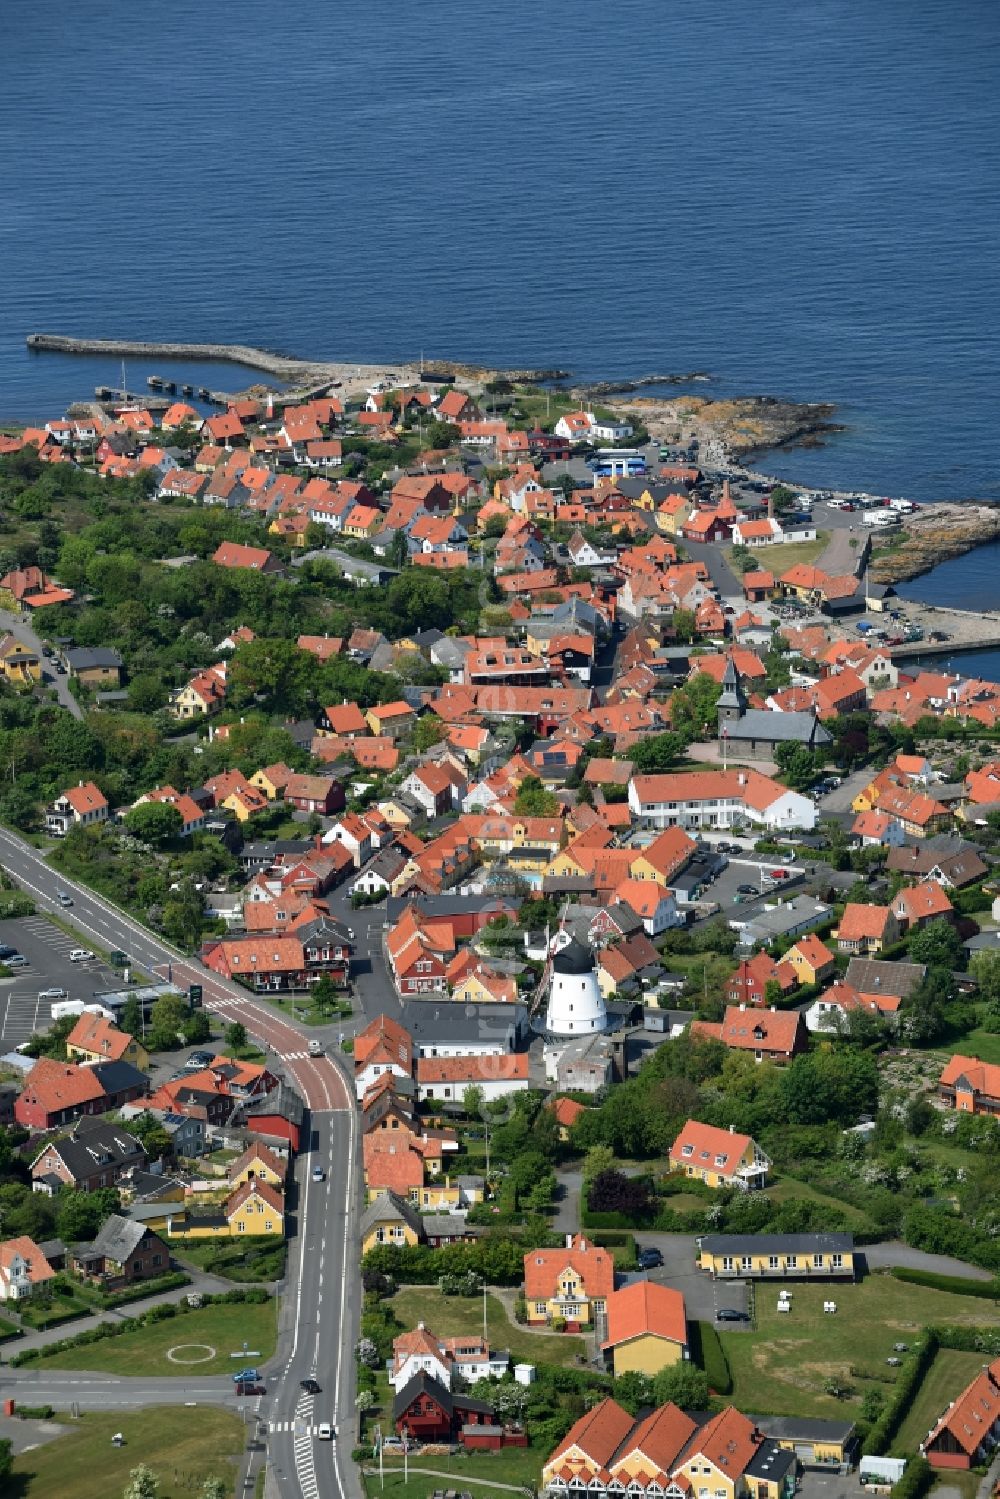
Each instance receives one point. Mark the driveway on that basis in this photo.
(19, 626)
(882, 1256)
(839, 800)
(702, 1295)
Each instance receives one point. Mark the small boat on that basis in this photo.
(154, 382)
(187, 390)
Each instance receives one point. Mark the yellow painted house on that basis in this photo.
(18, 663)
(255, 1208)
(647, 1328)
(571, 1283)
(719, 1157)
(389, 1220)
(271, 779)
(672, 514)
(257, 1163)
(778, 1256)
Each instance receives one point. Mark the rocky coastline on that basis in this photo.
(935, 534)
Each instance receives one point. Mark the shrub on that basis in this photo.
(34, 1412)
(914, 1368)
(709, 1352)
(958, 1285)
(916, 1480)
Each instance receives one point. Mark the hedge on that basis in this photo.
(709, 1352)
(171, 1282)
(34, 1412)
(916, 1480)
(958, 1285)
(914, 1368)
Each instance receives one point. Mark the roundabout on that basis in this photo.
(203, 1353)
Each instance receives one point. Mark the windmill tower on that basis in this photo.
(576, 1004)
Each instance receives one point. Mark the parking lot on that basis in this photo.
(747, 869)
(703, 1296)
(47, 949)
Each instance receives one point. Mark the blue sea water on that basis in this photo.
(802, 199)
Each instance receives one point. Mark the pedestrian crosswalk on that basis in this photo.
(294, 1056)
(300, 1428)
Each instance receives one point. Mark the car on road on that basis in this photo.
(324, 1431)
(650, 1258)
(80, 954)
(16, 960)
(777, 874)
(250, 1387)
(64, 898)
(53, 993)
(746, 889)
(310, 1386)
(315, 1047)
(6, 951)
(246, 1376)
(319, 1175)
(730, 1314)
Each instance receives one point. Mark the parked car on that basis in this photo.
(6, 951)
(746, 889)
(650, 1258)
(197, 1060)
(80, 954)
(16, 960)
(730, 1314)
(777, 874)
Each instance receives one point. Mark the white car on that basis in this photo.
(80, 954)
(324, 1431)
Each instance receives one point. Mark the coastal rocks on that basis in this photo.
(743, 426)
(623, 387)
(935, 534)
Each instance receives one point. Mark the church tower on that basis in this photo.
(732, 703)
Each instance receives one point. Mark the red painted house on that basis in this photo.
(56, 1092)
(425, 1409)
(969, 1430)
(314, 794)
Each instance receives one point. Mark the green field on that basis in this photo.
(783, 1366)
(239, 1259)
(778, 559)
(950, 1372)
(985, 1045)
(224, 1327)
(448, 1315)
(183, 1448)
(514, 1468)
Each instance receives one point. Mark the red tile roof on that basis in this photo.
(645, 1307)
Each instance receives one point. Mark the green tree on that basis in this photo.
(796, 764)
(937, 944)
(154, 822)
(684, 1384)
(236, 1036)
(196, 1028)
(142, 1484)
(79, 1215)
(655, 753)
(472, 1101)
(214, 1488)
(428, 731)
(533, 800)
(150, 1132)
(6, 1462)
(131, 1017)
(684, 624)
(784, 498)
(167, 1021)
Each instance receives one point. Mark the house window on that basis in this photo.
(791, 1261)
(772, 1263)
(837, 1262)
(727, 1262)
(817, 1262)
(540, 1308)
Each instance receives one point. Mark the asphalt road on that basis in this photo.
(19, 626)
(320, 1302)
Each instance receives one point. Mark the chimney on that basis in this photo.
(732, 1129)
(569, 1241)
(743, 1006)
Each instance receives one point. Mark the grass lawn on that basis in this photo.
(783, 1366)
(950, 1372)
(780, 558)
(183, 1447)
(985, 1045)
(7, 1329)
(788, 1188)
(515, 1466)
(448, 1315)
(223, 1327)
